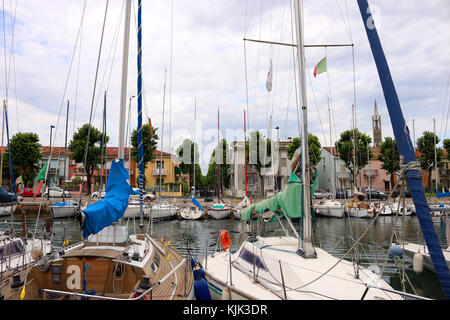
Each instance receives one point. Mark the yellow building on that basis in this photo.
(166, 167)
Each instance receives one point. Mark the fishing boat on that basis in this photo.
(110, 263)
(360, 209)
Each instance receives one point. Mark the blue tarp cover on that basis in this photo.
(7, 197)
(110, 209)
(442, 195)
(194, 201)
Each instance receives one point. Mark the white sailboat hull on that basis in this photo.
(277, 261)
(330, 208)
(190, 214)
(63, 211)
(219, 214)
(7, 210)
(412, 248)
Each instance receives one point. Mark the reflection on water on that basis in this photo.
(333, 235)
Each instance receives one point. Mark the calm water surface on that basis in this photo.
(332, 234)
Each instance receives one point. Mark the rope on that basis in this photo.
(44, 263)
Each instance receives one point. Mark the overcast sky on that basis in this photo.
(205, 60)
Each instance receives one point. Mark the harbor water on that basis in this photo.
(200, 237)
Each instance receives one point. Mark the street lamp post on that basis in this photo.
(49, 162)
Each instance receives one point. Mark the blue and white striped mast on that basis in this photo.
(139, 100)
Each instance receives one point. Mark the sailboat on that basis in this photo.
(8, 200)
(331, 207)
(220, 210)
(64, 209)
(289, 267)
(195, 211)
(110, 264)
(245, 202)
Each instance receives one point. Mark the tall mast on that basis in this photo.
(123, 89)
(436, 169)
(139, 97)
(1, 154)
(195, 138)
(333, 183)
(245, 153)
(308, 249)
(65, 153)
(162, 136)
(354, 153)
(217, 157)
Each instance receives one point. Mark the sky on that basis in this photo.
(196, 63)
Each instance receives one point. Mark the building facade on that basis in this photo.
(328, 180)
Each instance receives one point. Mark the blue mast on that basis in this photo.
(406, 149)
(139, 97)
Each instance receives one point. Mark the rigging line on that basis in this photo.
(113, 44)
(93, 96)
(12, 57)
(170, 85)
(60, 110)
(295, 78)
(347, 28)
(4, 51)
(77, 81)
(348, 20)
(443, 107)
(257, 66)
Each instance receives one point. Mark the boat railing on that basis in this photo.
(137, 297)
(410, 295)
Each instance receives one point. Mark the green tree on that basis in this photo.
(446, 144)
(314, 150)
(259, 153)
(426, 146)
(78, 148)
(345, 147)
(25, 155)
(213, 169)
(390, 157)
(186, 153)
(148, 144)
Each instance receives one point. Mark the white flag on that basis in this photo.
(269, 78)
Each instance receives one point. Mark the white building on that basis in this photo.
(327, 181)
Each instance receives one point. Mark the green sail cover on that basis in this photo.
(289, 200)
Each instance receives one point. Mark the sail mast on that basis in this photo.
(123, 89)
(217, 157)
(65, 153)
(195, 138)
(139, 97)
(436, 169)
(245, 153)
(308, 249)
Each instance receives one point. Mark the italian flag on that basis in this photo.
(320, 67)
(39, 180)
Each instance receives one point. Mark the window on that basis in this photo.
(159, 164)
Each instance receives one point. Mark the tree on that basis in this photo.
(213, 169)
(78, 148)
(314, 150)
(148, 144)
(186, 153)
(259, 153)
(25, 155)
(345, 148)
(390, 157)
(446, 144)
(426, 146)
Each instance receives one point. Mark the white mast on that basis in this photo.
(333, 177)
(123, 89)
(195, 138)
(308, 249)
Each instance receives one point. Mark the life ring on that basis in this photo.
(225, 239)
